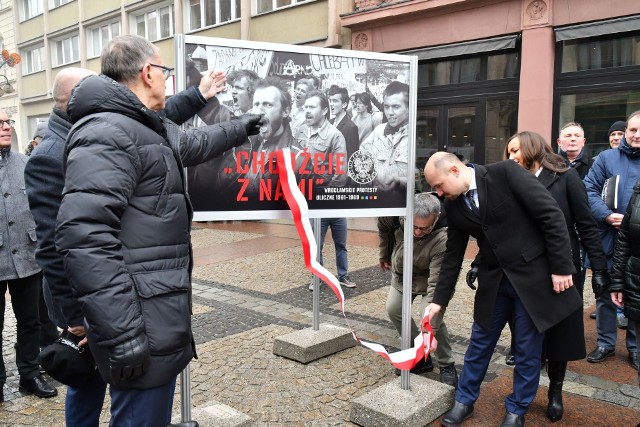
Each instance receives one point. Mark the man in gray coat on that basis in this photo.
(18, 269)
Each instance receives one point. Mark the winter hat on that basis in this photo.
(617, 126)
(41, 129)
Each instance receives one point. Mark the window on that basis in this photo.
(99, 37)
(65, 51)
(596, 84)
(596, 111)
(262, 6)
(204, 13)
(29, 8)
(154, 24)
(32, 59)
(57, 3)
(596, 54)
(470, 69)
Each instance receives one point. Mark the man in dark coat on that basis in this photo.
(571, 142)
(525, 270)
(123, 226)
(338, 102)
(44, 179)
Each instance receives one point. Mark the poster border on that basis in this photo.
(180, 41)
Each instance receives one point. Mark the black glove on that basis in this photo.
(472, 274)
(599, 281)
(129, 359)
(252, 123)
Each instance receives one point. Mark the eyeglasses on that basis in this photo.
(428, 229)
(9, 122)
(165, 70)
(425, 230)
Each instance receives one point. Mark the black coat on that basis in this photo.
(350, 132)
(522, 234)
(565, 341)
(625, 275)
(124, 223)
(44, 179)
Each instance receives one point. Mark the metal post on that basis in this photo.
(316, 224)
(185, 399)
(407, 266)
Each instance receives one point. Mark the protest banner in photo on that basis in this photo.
(348, 118)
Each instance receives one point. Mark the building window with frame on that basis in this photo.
(154, 24)
(57, 3)
(206, 13)
(596, 84)
(98, 37)
(263, 6)
(27, 9)
(598, 54)
(65, 51)
(32, 59)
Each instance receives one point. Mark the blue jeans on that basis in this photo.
(142, 408)
(528, 350)
(83, 405)
(339, 235)
(607, 326)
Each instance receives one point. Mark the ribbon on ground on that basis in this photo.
(404, 359)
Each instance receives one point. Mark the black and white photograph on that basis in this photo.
(343, 116)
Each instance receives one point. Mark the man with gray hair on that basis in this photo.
(44, 179)
(429, 246)
(124, 224)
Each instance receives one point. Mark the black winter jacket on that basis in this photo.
(124, 223)
(625, 275)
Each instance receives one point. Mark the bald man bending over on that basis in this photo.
(525, 270)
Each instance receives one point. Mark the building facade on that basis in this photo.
(9, 100)
(489, 68)
(53, 34)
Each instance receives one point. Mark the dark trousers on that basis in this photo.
(142, 408)
(24, 300)
(528, 348)
(83, 405)
(48, 331)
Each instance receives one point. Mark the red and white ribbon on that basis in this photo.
(404, 359)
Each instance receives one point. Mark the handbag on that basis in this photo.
(67, 362)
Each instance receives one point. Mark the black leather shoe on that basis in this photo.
(37, 386)
(633, 359)
(457, 414)
(510, 359)
(512, 420)
(600, 354)
(421, 367)
(448, 375)
(592, 315)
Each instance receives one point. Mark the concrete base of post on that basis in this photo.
(216, 414)
(389, 405)
(308, 345)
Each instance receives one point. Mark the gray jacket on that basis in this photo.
(17, 229)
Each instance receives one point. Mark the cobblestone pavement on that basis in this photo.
(250, 287)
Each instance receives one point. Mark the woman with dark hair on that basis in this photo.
(564, 341)
(363, 115)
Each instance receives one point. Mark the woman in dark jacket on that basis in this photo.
(565, 340)
(625, 274)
